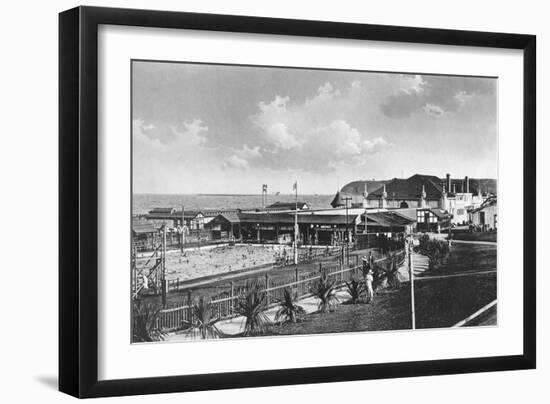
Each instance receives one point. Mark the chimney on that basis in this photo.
(467, 181)
(449, 182)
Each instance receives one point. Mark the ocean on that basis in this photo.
(142, 203)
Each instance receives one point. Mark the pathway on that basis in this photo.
(420, 265)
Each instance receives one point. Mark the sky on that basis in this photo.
(202, 128)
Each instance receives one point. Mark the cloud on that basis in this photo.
(325, 93)
(433, 110)
(250, 153)
(171, 162)
(315, 135)
(402, 104)
(436, 95)
(278, 134)
(235, 162)
(194, 132)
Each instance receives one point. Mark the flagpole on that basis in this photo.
(296, 224)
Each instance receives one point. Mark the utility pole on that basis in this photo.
(296, 230)
(347, 238)
(163, 266)
(411, 276)
(346, 199)
(182, 227)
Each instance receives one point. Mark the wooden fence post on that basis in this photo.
(190, 306)
(266, 288)
(297, 279)
(232, 296)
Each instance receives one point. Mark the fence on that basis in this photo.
(222, 305)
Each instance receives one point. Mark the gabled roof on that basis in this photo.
(387, 219)
(232, 217)
(409, 213)
(216, 212)
(164, 211)
(288, 218)
(441, 214)
(143, 228)
(358, 187)
(337, 201)
(171, 213)
(411, 188)
(188, 214)
(287, 205)
(488, 202)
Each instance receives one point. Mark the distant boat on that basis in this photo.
(277, 193)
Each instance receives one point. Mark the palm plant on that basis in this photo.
(325, 291)
(252, 305)
(203, 323)
(289, 311)
(144, 327)
(355, 289)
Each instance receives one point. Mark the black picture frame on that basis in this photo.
(78, 200)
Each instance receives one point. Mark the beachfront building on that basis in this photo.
(194, 219)
(434, 197)
(278, 227)
(322, 227)
(485, 216)
(145, 236)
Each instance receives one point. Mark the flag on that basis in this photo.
(295, 186)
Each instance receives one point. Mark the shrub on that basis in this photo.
(355, 289)
(289, 310)
(325, 291)
(144, 323)
(435, 250)
(203, 323)
(252, 305)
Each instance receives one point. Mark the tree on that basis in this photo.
(289, 310)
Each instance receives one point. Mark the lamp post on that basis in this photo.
(411, 278)
(346, 199)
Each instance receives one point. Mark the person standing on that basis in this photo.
(364, 265)
(369, 279)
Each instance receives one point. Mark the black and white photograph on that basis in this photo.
(274, 201)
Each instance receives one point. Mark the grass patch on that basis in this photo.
(467, 257)
(388, 311)
(439, 303)
(445, 302)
